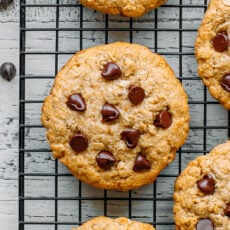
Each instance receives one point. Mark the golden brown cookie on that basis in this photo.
(116, 116)
(121, 223)
(202, 192)
(212, 50)
(130, 8)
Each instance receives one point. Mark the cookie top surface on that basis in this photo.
(116, 115)
(129, 8)
(212, 50)
(121, 223)
(202, 192)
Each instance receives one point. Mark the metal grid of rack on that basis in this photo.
(50, 32)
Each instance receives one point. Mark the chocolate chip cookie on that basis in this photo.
(116, 116)
(129, 8)
(202, 192)
(106, 223)
(212, 50)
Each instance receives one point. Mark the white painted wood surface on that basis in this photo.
(9, 46)
(38, 89)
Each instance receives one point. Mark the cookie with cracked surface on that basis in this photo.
(212, 49)
(116, 116)
(202, 192)
(129, 8)
(121, 223)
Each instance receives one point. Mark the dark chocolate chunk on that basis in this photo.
(109, 112)
(105, 159)
(225, 83)
(227, 210)
(136, 95)
(204, 224)
(131, 137)
(221, 42)
(141, 163)
(79, 143)
(207, 184)
(111, 71)
(76, 102)
(163, 119)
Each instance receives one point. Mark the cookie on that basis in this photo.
(129, 8)
(202, 192)
(116, 116)
(212, 49)
(121, 223)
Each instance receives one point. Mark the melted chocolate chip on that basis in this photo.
(79, 143)
(163, 119)
(111, 71)
(204, 224)
(136, 95)
(131, 137)
(221, 42)
(76, 102)
(225, 83)
(141, 163)
(227, 210)
(207, 184)
(109, 112)
(105, 159)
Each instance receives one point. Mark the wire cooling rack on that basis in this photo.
(50, 32)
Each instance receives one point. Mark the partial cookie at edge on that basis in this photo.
(127, 8)
(202, 191)
(213, 60)
(106, 223)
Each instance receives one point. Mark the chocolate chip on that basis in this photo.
(5, 2)
(76, 102)
(105, 159)
(111, 71)
(227, 210)
(131, 137)
(109, 112)
(141, 163)
(204, 224)
(220, 42)
(207, 184)
(136, 95)
(8, 71)
(225, 83)
(79, 143)
(163, 119)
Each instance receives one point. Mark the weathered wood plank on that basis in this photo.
(9, 46)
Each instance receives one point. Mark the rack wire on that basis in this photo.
(50, 32)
